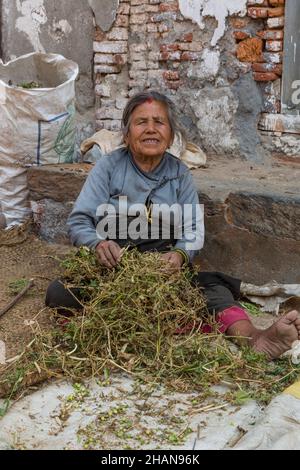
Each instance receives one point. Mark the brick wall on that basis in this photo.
(111, 70)
(264, 50)
(222, 90)
(142, 50)
(147, 22)
(138, 52)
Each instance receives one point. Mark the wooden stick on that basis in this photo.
(17, 298)
(235, 439)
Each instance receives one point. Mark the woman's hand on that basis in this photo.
(175, 260)
(108, 253)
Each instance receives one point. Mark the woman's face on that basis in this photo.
(149, 133)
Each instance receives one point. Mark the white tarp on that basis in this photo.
(277, 429)
(56, 417)
(59, 417)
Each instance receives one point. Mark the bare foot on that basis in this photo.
(279, 337)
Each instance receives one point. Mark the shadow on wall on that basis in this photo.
(2, 220)
(248, 114)
(1, 52)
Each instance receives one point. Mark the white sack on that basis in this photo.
(37, 124)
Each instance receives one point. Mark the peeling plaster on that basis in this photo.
(209, 66)
(196, 10)
(33, 17)
(60, 30)
(211, 62)
(64, 26)
(214, 110)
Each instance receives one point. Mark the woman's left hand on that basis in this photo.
(174, 259)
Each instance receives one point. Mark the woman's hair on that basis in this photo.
(141, 98)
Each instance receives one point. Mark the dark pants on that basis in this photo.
(221, 292)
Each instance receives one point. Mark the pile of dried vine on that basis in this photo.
(130, 321)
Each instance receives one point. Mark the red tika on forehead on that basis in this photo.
(150, 100)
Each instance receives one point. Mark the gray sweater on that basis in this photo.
(116, 175)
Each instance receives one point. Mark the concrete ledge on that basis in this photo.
(268, 215)
(280, 123)
(60, 183)
(252, 215)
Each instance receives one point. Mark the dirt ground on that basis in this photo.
(32, 259)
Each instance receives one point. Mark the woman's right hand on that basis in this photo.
(108, 253)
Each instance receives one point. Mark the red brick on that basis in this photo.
(174, 85)
(238, 23)
(99, 35)
(120, 59)
(124, 9)
(152, 28)
(138, 18)
(265, 77)
(163, 28)
(250, 50)
(164, 16)
(258, 12)
(258, 3)
(137, 48)
(275, 23)
(176, 55)
(190, 56)
(168, 7)
(274, 12)
(164, 56)
(169, 47)
(110, 59)
(267, 67)
(122, 21)
(139, 28)
(190, 46)
(274, 46)
(144, 9)
(117, 34)
(106, 69)
(276, 2)
(110, 47)
(187, 37)
(270, 34)
(240, 35)
(273, 57)
(171, 75)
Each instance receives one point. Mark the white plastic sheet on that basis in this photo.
(277, 429)
(273, 296)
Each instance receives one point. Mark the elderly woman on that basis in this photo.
(129, 191)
